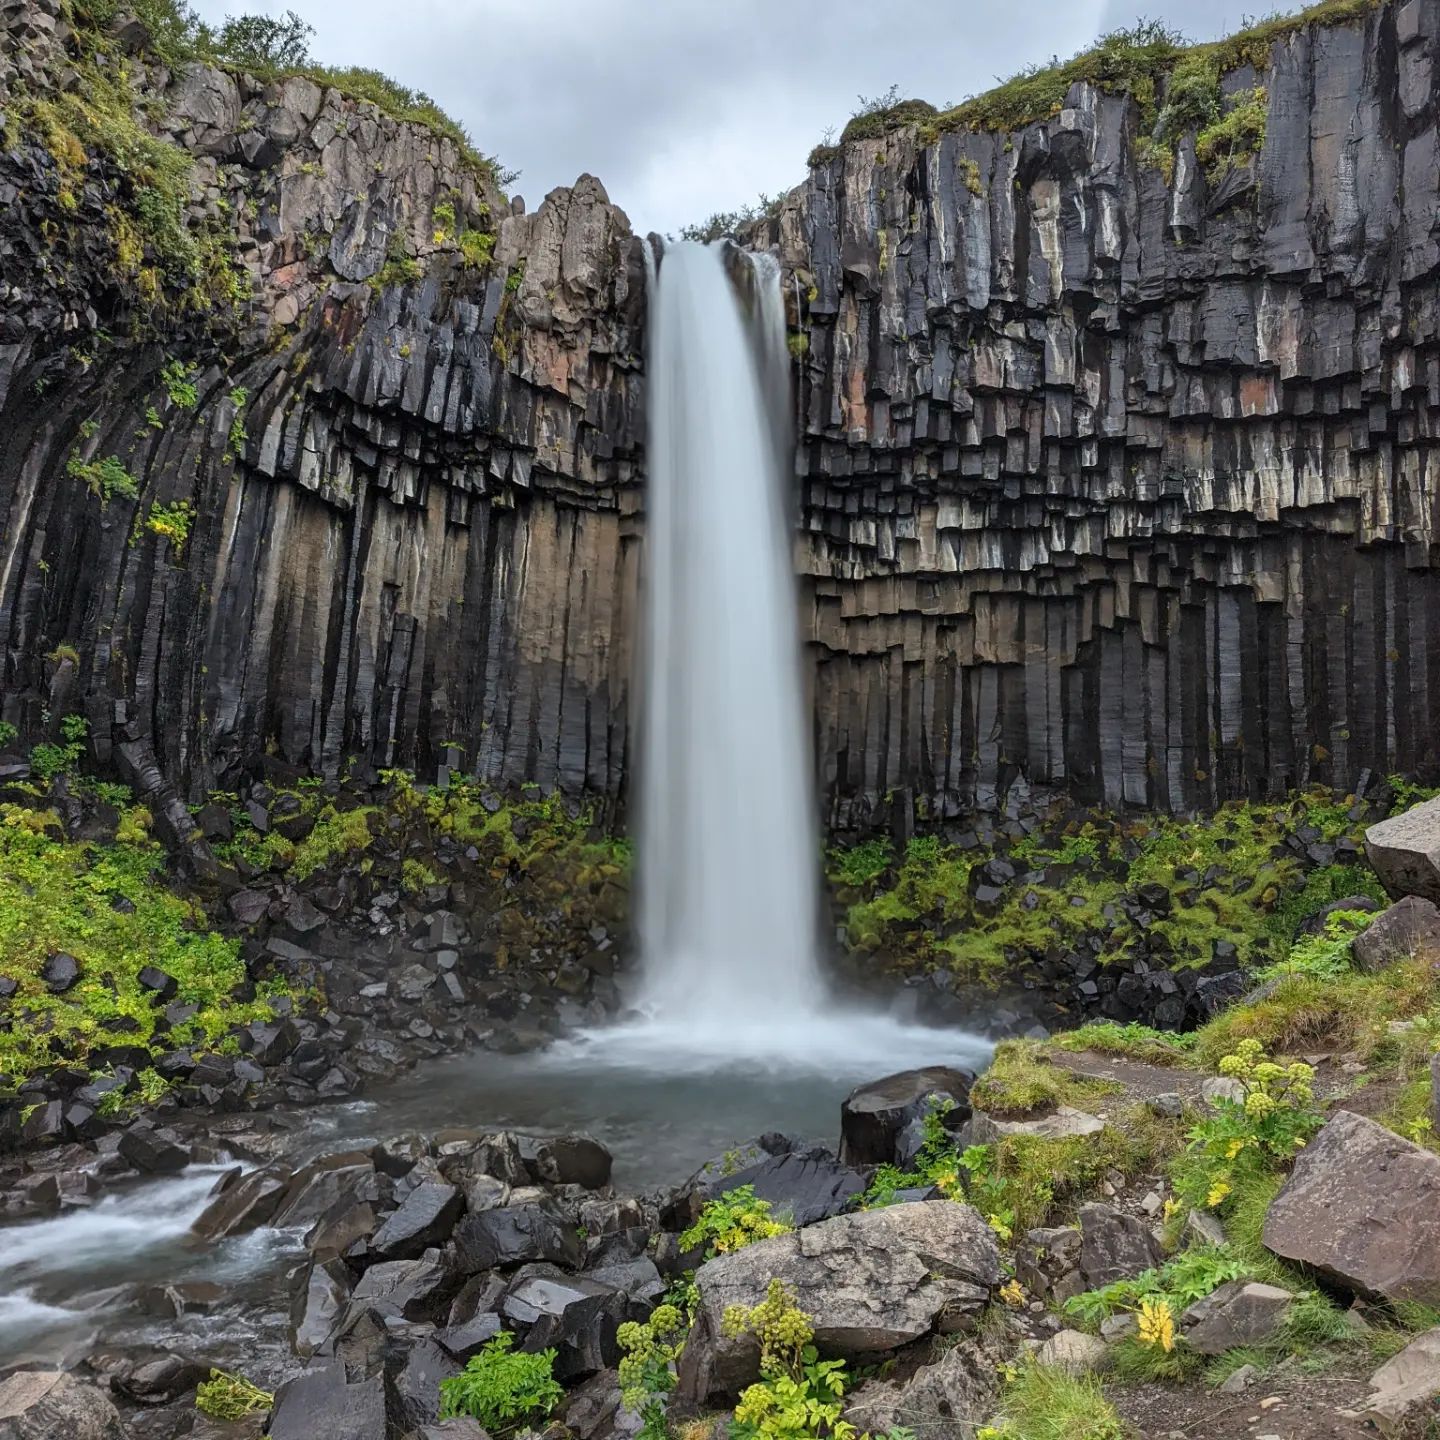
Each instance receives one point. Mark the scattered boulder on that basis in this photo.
(1362, 1207)
(318, 1295)
(320, 1405)
(943, 1399)
(1047, 1264)
(425, 1218)
(802, 1186)
(329, 1184)
(1075, 1352)
(414, 1388)
(872, 1282)
(576, 1315)
(1238, 1313)
(1407, 1388)
(156, 1152)
(158, 983)
(874, 1117)
(43, 1404)
(60, 972)
(1114, 1246)
(1409, 927)
(1404, 851)
(568, 1160)
(242, 1203)
(517, 1235)
(415, 1289)
(158, 1377)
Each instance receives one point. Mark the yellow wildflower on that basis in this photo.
(1013, 1293)
(1234, 1148)
(1157, 1323)
(1218, 1191)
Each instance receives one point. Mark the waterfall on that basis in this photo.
(728, 847)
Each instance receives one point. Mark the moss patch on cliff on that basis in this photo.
(108, 906)
(1171, 889)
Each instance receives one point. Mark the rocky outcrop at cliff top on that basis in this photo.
(1106, 481)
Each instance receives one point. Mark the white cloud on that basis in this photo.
(683, 108)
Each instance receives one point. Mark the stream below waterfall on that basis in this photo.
(662, 1105)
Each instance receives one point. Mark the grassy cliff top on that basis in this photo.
(1138, 62)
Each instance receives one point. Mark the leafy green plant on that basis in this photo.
(230, 1397)
(1181, 1281)
(799, 1396)
(8, 732)
(172, 522)
(647, 1368)
(731, 1221)
(48, 760)
(477, 248)
(1405, 793)
(235, 440)
(264, 42)
(502, 1389)
(105, 478)
(1260, 1131)
(860, 865)
(1325, 956)
(178, 379)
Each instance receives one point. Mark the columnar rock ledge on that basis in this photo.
(1106, 482)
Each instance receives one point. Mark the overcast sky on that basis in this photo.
(685, 107)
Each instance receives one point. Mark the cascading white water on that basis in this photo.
(728, 881)
(729, 846)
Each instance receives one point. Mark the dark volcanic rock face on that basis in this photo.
(1119, 485)
(1105, 481)
(407, 494)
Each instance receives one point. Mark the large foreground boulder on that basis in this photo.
(880, 1121)
(1409, 927)
(1405, 851)
(1363, 1208)
(49, 1404)
(871, 1283)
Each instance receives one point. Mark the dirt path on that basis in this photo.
(1287, 1404)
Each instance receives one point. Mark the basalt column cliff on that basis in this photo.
(1114, 474)
(1124, 479)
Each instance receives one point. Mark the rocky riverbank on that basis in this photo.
(1117, 1225)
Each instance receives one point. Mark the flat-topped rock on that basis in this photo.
(1405, 851)
(1362, 1207)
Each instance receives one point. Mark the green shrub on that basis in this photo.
(647, 1368)
(178, 379)
(862, 864)
(8, 733)
(264, 42)
(798, 1394)
(732, 1221)
(1258, 1133)
(503, 1390)
(172, 522)
(105, 478)
(230, 1397)
(1325, 956)
(1181, 1281)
